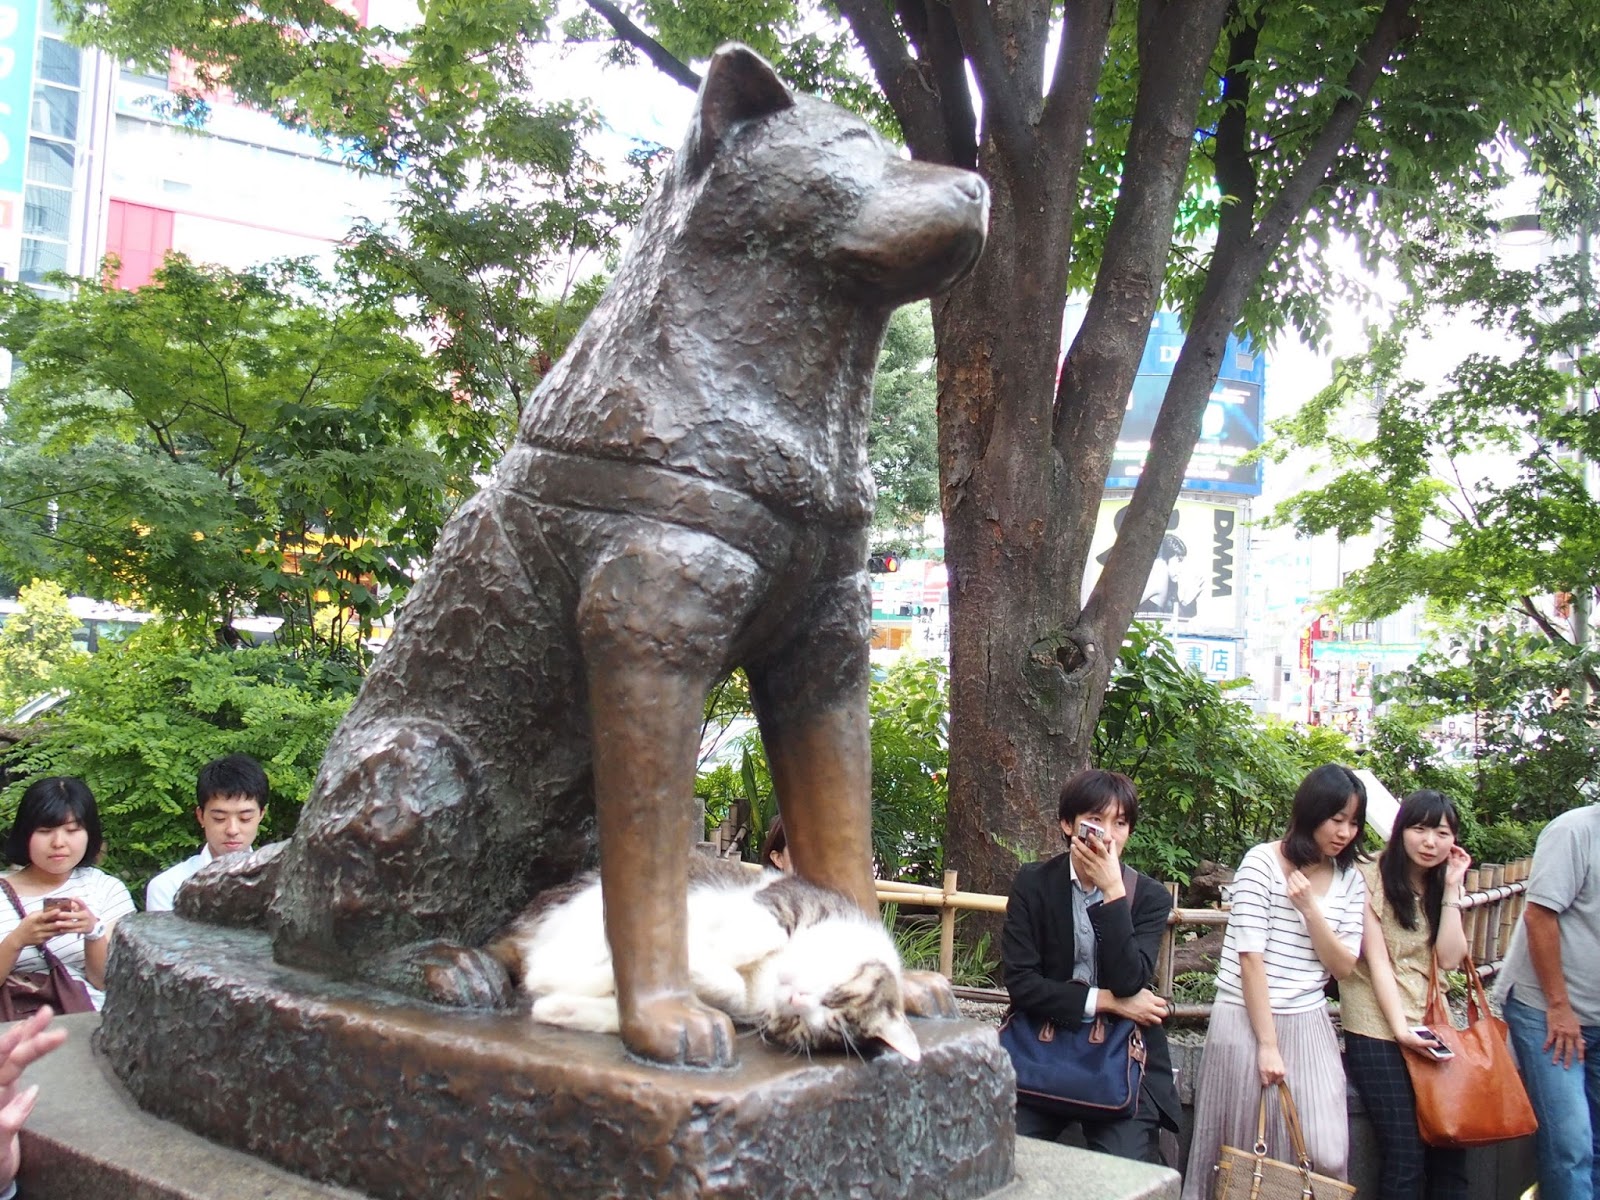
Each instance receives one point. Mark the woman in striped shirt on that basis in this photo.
(1298, 910)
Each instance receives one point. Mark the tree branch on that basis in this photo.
(1553, 632)
(1235, 170)
(1240, 257)
(1175, 43)
(1085, 27)
(660, 57)
(913, 97)
(945, 57)
(1003, 116)
(1296, 195)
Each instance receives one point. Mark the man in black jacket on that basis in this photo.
(1076, 945)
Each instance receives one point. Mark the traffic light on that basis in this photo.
(883, 564)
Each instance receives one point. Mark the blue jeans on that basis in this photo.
(1567, 1102)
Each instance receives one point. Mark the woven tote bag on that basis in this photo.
(1251, 1175)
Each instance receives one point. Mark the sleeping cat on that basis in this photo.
(799, 962)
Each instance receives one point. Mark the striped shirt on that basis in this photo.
(107, 898)
(1264, 922)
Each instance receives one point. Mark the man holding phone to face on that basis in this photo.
(1076, 944)
(231, 798)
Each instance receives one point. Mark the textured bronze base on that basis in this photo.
(349, 1084)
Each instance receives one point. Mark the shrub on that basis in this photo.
(1214, 779)
(145, 715)
(910, 756)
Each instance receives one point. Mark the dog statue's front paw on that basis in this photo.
(678, 1031)
(928, 994)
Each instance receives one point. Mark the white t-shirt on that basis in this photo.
(107, 897)
(1264, 922)
(162, 892)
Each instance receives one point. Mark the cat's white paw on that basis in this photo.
(590, 1014)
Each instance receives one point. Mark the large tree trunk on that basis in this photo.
(998, 336)
(1024, 462)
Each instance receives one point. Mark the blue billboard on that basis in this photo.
(1230, 429)
(18, 31)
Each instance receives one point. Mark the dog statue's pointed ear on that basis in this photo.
(739, 85)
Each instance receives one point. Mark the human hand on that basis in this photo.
(1144, 1007)
(1097, 866)
(1299, 889)
(1405, 1038)
(1563, 1038)
(39, 926)
(77, 917)
(1455, 869)
(1269, 1065)
(22, 1043)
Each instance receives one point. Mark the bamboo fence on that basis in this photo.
(1493, 906)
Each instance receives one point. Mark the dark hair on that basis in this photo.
(1093, 791)
(1426, 808)
(775, 841)
(232, 775)
(47, 804)
(1322, 794)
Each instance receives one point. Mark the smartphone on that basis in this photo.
(58, 902)
(1091, 831)
(1435, 1048)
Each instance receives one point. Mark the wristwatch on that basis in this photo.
(96, 934)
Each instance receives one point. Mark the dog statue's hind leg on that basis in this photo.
(812, 702)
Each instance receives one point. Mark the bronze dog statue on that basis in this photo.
(688, 492)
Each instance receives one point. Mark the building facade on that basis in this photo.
(94, 163)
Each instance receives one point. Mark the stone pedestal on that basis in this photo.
(87, 1140)
(359, 1087)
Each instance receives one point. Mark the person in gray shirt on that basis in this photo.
(1550, 994)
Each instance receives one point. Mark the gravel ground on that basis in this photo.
(975, 1011)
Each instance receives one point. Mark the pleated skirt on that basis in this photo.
(1228, 1094)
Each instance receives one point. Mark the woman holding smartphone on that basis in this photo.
(1077, 944)
(67, 904)
(1299, 906)
(1413, 913)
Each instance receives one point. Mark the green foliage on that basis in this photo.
(145, 715)
(1536, 747)
(1194, 987)
(1398, 753)
(35, 643)
(910, 758)
(1213, 779)
(1475, 488)
(917, 939)
(910, 755)
(903, 440)
(505, 214)
(225, 442)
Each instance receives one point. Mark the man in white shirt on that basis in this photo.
(232, 797)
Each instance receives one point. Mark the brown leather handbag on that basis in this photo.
(1251, 1175)
(1475, 1098)
(26, 992)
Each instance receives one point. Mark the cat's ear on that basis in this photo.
(898, 1035)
